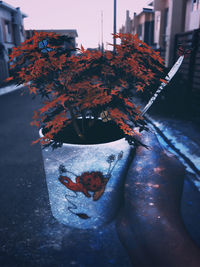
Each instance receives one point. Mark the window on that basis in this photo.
(157, 22)
(22, 30)
(9, 51)
(195, 5)
(2, 49)
(166, 12)
(139, 31)
(7, 31)
(7, 27)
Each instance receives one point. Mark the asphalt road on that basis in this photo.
(29, 235)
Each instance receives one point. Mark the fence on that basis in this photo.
(190, 69)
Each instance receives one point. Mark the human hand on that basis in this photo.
(149, 224)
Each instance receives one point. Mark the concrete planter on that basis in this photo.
(85, 181)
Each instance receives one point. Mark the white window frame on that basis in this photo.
(195, 5)
(8, 31)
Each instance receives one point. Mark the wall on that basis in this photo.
(157, 19)
(128, 23)
(160, 30)
(187, 15)
(160, 4)
(175, 25)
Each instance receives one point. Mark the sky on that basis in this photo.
(82, 15)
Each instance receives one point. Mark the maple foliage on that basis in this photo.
(87, 83)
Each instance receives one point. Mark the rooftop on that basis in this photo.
(71, 33)
(148, 9)
(11, 8)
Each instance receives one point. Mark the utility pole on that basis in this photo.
(115, 27)
(102, 46)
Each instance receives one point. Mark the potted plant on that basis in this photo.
(88, 118)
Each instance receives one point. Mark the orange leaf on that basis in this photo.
(139, 88)
(33, 90)
(9, 79)
(82, 49)
(163, 81)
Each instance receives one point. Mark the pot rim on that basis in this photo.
(89, 145)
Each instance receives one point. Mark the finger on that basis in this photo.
(154, 151)
(150, 147)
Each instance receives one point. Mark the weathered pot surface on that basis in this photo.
(85, 181)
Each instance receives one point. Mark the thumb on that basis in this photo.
(147, 140)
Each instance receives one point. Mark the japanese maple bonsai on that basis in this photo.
(87, 100)
(78, 89)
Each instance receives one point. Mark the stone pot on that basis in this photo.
(85, 181)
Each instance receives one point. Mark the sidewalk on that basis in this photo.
(180, 137)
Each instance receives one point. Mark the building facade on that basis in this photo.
(169, 20)
(11, 34)
(161, 21)
(141, 24)
(176, 23)
(174, 17)
(192, 15)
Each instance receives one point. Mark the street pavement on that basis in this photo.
(29, 235)
(182, 138)
(179, 136)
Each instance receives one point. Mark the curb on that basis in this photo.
(175, 149)
(9, 89)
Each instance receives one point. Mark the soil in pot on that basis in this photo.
(95, 133)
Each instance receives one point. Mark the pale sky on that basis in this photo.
(82, 15)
